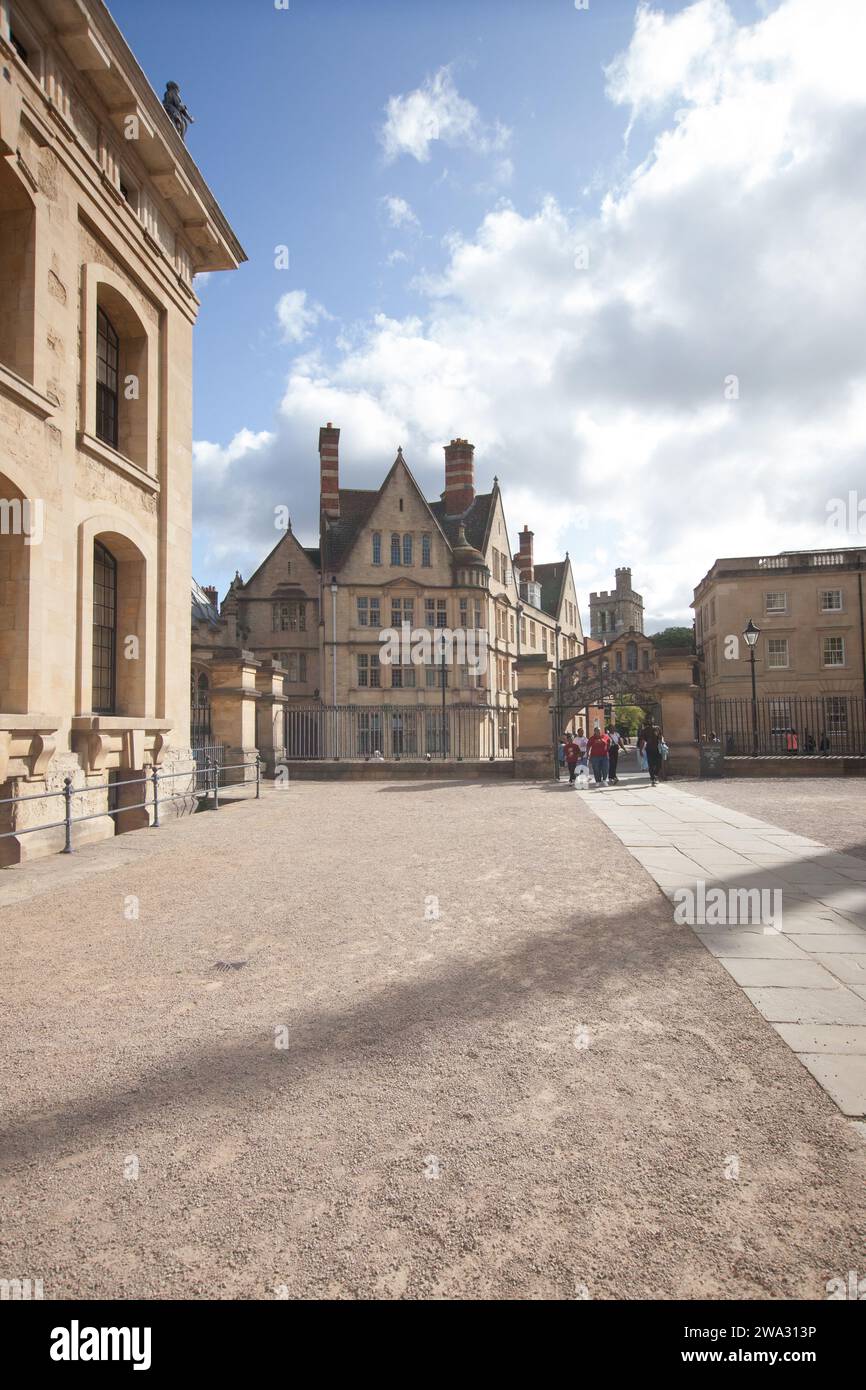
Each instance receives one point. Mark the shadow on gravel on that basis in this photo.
(591, 954)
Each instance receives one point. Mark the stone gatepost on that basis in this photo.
(676, 693)
(270, 683)
(233, 710)
(533, 756)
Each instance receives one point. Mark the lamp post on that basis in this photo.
(444, 716)
(751, 635)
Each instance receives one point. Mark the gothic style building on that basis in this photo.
(612, 613)
(390, 559)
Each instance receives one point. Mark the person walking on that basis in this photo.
(616, 742)
(649, 742)
(572, 757)
(599, 756)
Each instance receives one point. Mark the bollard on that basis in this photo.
(258, 776)
(155, 776)
(67, 814)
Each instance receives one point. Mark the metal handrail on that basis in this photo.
(155, 777)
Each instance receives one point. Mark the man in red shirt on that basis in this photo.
(599, 746)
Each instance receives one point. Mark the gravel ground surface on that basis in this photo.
(831, 810)
(537, 1094)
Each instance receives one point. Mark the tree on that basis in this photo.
(671, 637)
(628, 718)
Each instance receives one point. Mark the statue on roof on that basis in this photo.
(178, 114)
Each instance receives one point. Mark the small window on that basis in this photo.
(395, 549)
(777, 652)
(377, 548)
(407, 550)
(426, 546)
(831, 600)
(834, 651)
(776, 602)
(107, 357)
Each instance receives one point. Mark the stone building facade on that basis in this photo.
(104, 220)
(809, 607)
(613, 612)
(388, 557)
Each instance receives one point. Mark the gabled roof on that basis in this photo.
(356, 505)
(551, 577)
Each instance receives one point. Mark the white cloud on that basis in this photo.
(399, 212)
(296, 317)
(437, 111)
(738, 246)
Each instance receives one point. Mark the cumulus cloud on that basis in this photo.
(437, 111)
(297, 318)
(587, 356)
(399, 212)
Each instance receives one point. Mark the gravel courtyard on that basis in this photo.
(468, 1055)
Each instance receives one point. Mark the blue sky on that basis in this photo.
(389, 309)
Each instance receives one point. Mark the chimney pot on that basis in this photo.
(459, 491)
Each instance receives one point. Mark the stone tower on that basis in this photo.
(616, 611)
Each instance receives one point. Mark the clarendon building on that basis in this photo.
(810, 648)
(439, 575)
(104, 220)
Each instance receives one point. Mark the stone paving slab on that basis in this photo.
(840, 1005)
(843, 1078)
(803, 973)
(823, 1037)
(753, 945)
(755, 971)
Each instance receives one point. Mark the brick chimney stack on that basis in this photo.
(212, 593)
(524, 558)
(459, 491)
(329, 465)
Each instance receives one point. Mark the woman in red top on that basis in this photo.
(598, 750)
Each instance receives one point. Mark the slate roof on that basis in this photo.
(339, 536)
(203, 611)
(551, 578)
(475, 520)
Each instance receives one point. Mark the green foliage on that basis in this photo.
(674, 637)
(628, 719)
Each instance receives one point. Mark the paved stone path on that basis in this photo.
(798, 953)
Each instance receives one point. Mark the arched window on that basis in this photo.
(377, 548)
(107, 358)
(426, 542)
(407, 550)
(395, 549)
(631, 656)
(104, 629)
(646, 658)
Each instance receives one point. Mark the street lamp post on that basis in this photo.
(751, 635)
(444, 716)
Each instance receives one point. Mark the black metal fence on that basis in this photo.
(360, 732)
(203, 785)
(786, 726)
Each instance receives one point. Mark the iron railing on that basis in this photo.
(359, 732)
(205, 787)
(790, 725)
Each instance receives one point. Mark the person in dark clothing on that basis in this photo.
(572, 757)
(613, 753)
(649, 740)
